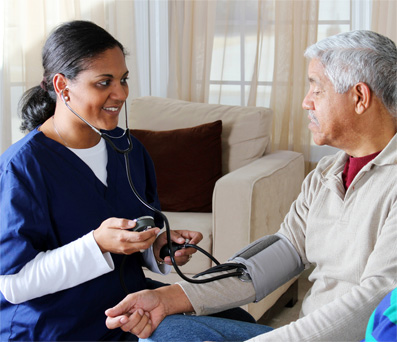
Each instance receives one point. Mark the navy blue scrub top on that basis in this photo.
(50, 197)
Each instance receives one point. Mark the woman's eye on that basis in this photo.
(104, 83)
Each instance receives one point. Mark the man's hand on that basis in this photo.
(141, 312)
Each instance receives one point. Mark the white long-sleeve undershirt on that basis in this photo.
(74, 263)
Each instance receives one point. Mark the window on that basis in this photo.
(230, 84)
(235, 45)
(235, 37)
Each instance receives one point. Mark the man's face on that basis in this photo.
(330, 113)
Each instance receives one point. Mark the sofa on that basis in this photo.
(218, 175)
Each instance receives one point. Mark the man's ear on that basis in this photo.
(362, 97)
(60, 83)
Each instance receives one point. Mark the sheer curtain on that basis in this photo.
(296, 24)
(278, 38)
(27, 24)
(384, 17)
(190, 51)
(271, 67)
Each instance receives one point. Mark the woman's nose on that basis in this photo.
(120, 92)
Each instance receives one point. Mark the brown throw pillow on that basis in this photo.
(188, 162)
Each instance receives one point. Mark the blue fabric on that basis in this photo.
(48, 198)
(382, 325)
(180, 328)
(236, 314)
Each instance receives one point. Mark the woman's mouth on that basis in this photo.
(114, 110)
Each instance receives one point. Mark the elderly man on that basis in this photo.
(344, 221)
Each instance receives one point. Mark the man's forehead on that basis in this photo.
(316, 72)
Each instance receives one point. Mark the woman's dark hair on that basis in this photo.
(68, 50)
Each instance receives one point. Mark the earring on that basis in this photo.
(65, 97)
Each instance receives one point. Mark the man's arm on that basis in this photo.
(129, 314)
(343, 319)
(270, 262)
(211, 297)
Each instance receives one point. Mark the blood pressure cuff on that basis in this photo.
(271, 261)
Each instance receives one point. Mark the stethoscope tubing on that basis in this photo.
(126, 152)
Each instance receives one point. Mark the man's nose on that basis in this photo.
(307, 103)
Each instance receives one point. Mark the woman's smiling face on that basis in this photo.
(99, 92)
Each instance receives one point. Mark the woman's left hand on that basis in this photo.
(182, 256)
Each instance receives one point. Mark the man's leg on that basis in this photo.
(237, 314)
(181, 328)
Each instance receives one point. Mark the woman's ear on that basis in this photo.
(362, 97)
(60, 84)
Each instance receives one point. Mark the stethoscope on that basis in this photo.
(240, 269)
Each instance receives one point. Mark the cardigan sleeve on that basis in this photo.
(345, 318)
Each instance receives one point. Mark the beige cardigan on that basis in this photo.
(351, 239)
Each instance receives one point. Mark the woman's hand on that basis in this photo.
(113, 236)
(182, 256)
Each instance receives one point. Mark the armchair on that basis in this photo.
(253, 192)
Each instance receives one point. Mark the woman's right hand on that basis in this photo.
(113, 236)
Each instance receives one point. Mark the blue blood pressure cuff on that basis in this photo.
(270, 262)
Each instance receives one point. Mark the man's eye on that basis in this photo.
(124, 80)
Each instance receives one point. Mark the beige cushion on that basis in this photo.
(246, 130)
(201, 222)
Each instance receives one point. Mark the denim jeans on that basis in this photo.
(231, 315)
(181, 328)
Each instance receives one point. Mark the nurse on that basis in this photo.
(66, 207)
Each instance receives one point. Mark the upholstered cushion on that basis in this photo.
(246, 130)
(188, 162)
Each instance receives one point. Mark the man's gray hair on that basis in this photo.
(360, 56)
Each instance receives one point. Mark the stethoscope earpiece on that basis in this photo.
(65, 97)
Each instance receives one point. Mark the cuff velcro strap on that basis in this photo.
(239, 269)
(270, 262)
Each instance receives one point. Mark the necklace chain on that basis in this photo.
(56, 131)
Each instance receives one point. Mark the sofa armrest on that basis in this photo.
(253, 200)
